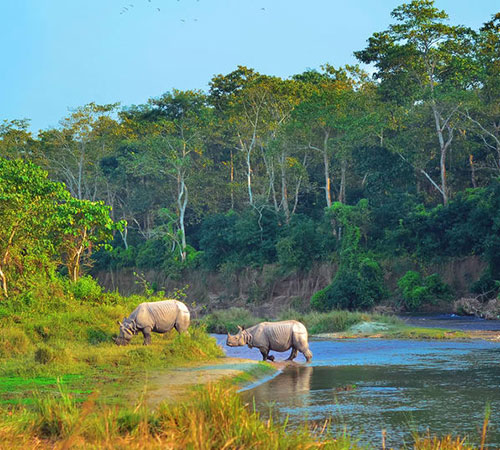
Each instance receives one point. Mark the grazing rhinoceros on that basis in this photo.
(277, 336)
(159, 317)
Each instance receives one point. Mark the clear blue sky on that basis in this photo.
(59, 54)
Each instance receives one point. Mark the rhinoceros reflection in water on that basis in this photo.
(293, 384)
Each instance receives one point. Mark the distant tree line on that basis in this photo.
(329, 163)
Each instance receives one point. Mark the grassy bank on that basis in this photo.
(224, 321)
(332, 324)
(69, 338)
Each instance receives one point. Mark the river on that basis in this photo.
(401, 386)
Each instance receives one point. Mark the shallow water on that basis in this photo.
(451, 321)
(370, 385)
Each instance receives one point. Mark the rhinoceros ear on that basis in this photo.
(119, 323)
(239, 328)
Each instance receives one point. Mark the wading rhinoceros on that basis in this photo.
(159, 317)
(277, 336)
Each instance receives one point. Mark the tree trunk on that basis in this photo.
(4, 283)
(232, 180)
(284, 189)
(343, 170)
(182, 199)
(326, 163)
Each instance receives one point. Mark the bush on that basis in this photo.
(44, 354)
(417, 291)
(352, 289)
(86, 289)
(13, 341)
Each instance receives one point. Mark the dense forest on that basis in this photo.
(334, 164)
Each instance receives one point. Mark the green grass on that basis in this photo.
(407, 332)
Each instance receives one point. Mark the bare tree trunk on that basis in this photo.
(4, 283)
(249, 179)
(343, 170)
(232, 180)
(326, 164)
(284, 189)
(182, 200)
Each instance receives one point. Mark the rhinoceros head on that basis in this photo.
(236, 340)
(127, 331)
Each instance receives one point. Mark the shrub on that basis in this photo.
(86, 289)
(417, 291)
(352, 289)
(13, 341)
(44, 354)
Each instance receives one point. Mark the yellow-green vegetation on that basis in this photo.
(214, 417)
(407, 332)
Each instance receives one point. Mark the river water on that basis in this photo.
(401, 386)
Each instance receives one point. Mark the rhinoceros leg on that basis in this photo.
(293, 354)
(265, 354)
(146, 332)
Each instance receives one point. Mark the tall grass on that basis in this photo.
(213, 418)
(224, 321)
(227, 320)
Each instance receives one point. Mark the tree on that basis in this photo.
(28, 212)
(334, 118)
(16, 141)
(423, 61)
(73, 151)
(483, 113)
(85, 226)
(176, 125)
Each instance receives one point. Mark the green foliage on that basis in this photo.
(86, 289)
(300, 245)
(417, 291)
(41, 223)
(247, 239)
(358, 283)
(352, 289)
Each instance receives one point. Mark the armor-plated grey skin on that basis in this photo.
(277, 336)
(159, 317)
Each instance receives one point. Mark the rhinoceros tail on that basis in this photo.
(183, 318)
